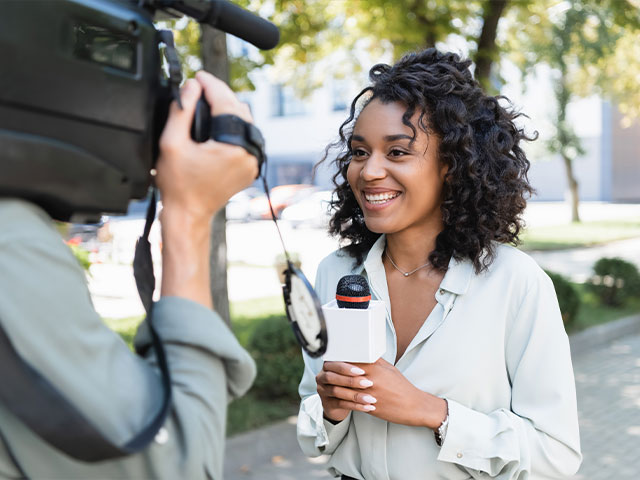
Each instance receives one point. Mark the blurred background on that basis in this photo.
(573, 67)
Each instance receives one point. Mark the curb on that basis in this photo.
(599, 335)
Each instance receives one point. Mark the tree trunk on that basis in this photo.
(574, 199)
(485, 55)
(215, 61)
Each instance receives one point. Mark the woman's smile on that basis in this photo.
(378, 200)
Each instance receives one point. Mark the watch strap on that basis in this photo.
(235, 131)
(441, 432)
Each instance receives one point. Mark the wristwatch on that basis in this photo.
(441, 432)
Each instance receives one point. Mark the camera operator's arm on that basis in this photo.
(196, 180)
(46, 311)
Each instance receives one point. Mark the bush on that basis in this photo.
(568, 297)
(278, 356)
(615, 281)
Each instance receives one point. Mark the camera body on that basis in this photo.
(82, 102)
(84, 98)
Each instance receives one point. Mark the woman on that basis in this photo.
(476, 381)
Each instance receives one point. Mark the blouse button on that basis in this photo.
(441, 291)
(162, 436)
(459, 455)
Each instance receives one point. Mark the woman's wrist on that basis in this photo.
(434, 411)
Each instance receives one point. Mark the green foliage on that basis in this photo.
(325, 38)
(615, 282)
(568, 297)
(82, 255)
(592, 312)
(126, 327)
(250, 412)
(277, 354)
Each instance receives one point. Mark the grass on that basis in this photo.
(574, 235)
(592, 312)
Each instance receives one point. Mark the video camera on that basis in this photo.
(84, 97)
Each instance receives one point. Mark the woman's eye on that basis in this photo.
(359, 153)
(397, 153)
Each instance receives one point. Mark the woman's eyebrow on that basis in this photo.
(399, 136)
(388, 138)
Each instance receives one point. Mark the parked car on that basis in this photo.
(239, 206)
(281, 197)
(313, 211)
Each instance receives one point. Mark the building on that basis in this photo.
(298, 131)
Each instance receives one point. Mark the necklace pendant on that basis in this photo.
(406, 274)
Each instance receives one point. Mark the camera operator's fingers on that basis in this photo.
(221, 98)
(179, 120)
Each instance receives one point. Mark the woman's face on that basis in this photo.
(398, 185)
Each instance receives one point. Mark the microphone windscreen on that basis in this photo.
(353, 292)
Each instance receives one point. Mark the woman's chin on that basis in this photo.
(377, 226)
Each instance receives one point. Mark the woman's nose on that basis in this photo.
(373, 168)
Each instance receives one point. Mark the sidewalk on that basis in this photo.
(608, 389)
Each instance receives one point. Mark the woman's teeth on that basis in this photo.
(379, 198)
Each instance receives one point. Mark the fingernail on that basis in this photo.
(366, 382)
(369, 408)
(357, 371)
(369, 399)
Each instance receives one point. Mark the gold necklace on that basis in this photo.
(406, 274)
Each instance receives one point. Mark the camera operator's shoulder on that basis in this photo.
(21, 220)
(330, 270)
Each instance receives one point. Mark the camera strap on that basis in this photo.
(46, 411)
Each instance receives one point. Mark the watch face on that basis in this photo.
(305, 313)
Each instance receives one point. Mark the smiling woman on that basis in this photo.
(476, 380)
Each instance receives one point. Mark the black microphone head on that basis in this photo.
(353, 292)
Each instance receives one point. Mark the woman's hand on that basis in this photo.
(343, 388)
(398, 400)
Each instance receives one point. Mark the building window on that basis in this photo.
(286, 102)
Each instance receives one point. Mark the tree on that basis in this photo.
(580, 40)
(313, 31)
(215, 61)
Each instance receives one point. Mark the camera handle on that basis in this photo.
(227, 129)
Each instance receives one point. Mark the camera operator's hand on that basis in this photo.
(196, 180)
(200, 177)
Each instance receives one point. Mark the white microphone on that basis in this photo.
(356, 325)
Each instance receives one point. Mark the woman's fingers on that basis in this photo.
(342, 393)
(332, 378)
(343, 368)
(347, 405)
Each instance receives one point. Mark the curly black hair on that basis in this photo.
(486, 186)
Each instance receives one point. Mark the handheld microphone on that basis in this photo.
(356, 325)
(353, 292)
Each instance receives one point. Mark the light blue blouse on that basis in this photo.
(495, 347)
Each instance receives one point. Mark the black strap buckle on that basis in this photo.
(228, 128)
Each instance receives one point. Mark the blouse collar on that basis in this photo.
(456, 279)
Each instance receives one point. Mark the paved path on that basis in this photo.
(608, 383)
(608, 387)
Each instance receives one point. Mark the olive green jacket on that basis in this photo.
(46, 311)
